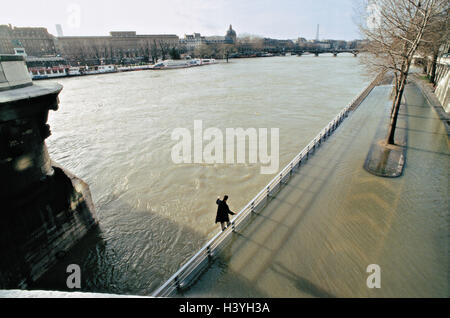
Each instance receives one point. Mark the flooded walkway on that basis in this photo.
(333, 219)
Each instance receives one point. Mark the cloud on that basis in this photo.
(271, 18)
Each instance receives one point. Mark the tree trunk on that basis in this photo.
(395, 110)
(433, 68)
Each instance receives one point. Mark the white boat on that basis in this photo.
(37, 73)
(171, 64)
(100, 69)
(208, 61)
(75, 71)
(46, 67)
(195, 62)
(134, 68)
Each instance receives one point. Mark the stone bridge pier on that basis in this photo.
(44, 209)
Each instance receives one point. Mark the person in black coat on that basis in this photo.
(222, 212)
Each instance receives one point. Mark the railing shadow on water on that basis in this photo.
(302, 284)
(195, 266)
(112, 258)
(304, 202)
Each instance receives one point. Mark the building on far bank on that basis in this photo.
(35, 41)
(274, 44)
(193, 41)
(302, 43)
(116, 47)
(313, 44)
(336, 44)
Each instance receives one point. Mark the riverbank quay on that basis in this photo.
(428, 91)
(333, 219)
(389, 160)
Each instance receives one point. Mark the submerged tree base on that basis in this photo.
(386, 160)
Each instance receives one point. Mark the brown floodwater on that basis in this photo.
(334, 219)
(114, 131)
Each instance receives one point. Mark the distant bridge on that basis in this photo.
(316, 51)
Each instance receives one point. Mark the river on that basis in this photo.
(114, 131)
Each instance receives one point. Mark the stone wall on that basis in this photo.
(36, 232)
(44, 209)
(442, 85)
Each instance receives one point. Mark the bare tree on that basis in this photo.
(226, 50)
(434, 37)
(203, 50)
(395, 29)
(105, 54)
(164, 47)
(80, 55)
(174, 53)
(145, 51)
(96, 54)
(250, 43)
(112, 56)
(154, 52)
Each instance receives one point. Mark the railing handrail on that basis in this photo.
(243, 213)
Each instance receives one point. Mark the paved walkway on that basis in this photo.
(333, 219)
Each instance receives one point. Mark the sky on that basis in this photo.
(280, 19)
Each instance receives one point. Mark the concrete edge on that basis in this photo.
(385, 160)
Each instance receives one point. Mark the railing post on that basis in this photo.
(177, 283)
(253, 207)
(268, 192)
(281, 178)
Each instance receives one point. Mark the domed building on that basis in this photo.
(230, 37)
(196, 39)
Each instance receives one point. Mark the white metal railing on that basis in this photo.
(193, 267)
